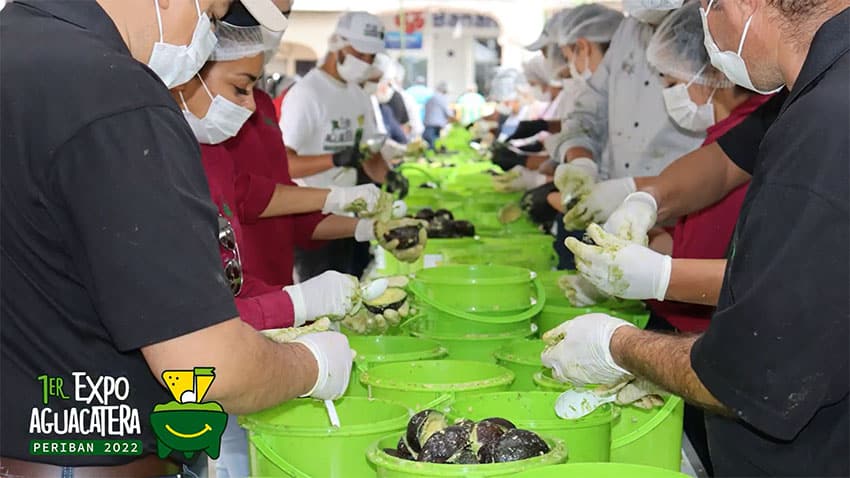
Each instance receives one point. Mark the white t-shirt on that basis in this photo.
(321, 115)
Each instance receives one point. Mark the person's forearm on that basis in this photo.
(535, 161)
(660, 241)
(665, 360)
(288, 200)
(554, 200)
(578, 152)
(376, 168)
(554, 126)
(335, 227)
(696, 281)
(252, 372)
(303, 166)
(693, 182)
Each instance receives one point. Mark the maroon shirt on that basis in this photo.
(706, 234)
(261, 305)
(261, 163)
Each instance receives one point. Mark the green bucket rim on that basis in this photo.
(588, 469)
(606, 413)
(518, 275)
(541, 379)
(504, 354)
(433, 350)
(250, 423)
(670, 404)
(506, 377)
(537, 306)
(410, 324)
(557, 454)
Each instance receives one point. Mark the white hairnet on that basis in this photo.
(235, 43)
(535, 70)
(593, 22)
(506, 85)
(677, 49)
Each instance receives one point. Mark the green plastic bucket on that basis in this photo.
(437, 249)
(473, 288)
(544, 381)
(600, 470)
(419, 385)
(523, 357)
(650, 437)
(554, 315)
(391, 467)
(473, 346)
(530, 250)
(296, 439)
(387, 265)
(373, 350)
(588, 439)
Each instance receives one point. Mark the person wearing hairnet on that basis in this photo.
(772, 365)
(216, 104)
(129, 247)
(325, 118)
(545, 89)
(619, 126)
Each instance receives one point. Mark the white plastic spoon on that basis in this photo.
(574, 404)
(332, 415)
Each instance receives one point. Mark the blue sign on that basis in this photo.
(412, 41)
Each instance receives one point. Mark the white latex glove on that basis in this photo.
(580, 292)
(574, 179)
(519, 178)
(331, 294)
(621, 268)
(365, 230)
(393, 150)
(604, 198)
(334, 357)
(634, 218)
(579, 352)
(342, 200)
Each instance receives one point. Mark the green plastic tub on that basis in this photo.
(523, 357)
(436, 250)
(599, 470)
(529, 249)
(296, 439)
(554, 315)
(472, 346)
(587, 439)
(387, 265)
(650, 437)
(544, 381)
(471, 288)
(420, 385)
(374, 350)
(391, 467)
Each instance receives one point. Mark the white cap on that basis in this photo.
(550, 31)
(235, 42)
(267, 13)
(362, 30)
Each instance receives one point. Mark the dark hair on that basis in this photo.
(794, 9)
(604, 46)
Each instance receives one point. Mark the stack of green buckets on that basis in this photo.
(472, 351)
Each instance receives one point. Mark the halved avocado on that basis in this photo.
(392, 299)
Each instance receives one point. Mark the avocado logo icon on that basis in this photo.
(188, 425)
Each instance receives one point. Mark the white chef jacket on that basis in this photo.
(621, 117)
(321, 115)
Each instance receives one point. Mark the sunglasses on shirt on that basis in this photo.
(233, 265)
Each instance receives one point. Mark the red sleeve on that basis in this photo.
(305, 225)
(254, 194)
(263, 306)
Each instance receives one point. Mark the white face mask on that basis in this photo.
(353, 69)
(729, 62)
(177, 64)
(581, 77)
(223, 120)
(650, 12)
(540, 94)
(371, 88)
(570, 84)
(384, 95)
(684, 111)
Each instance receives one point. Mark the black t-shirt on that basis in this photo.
(742, 142)
(396, 103)
(776, 352)
(107, 232)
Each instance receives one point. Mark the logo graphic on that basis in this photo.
(187, 424)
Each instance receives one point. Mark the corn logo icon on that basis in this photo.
(188, 424)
